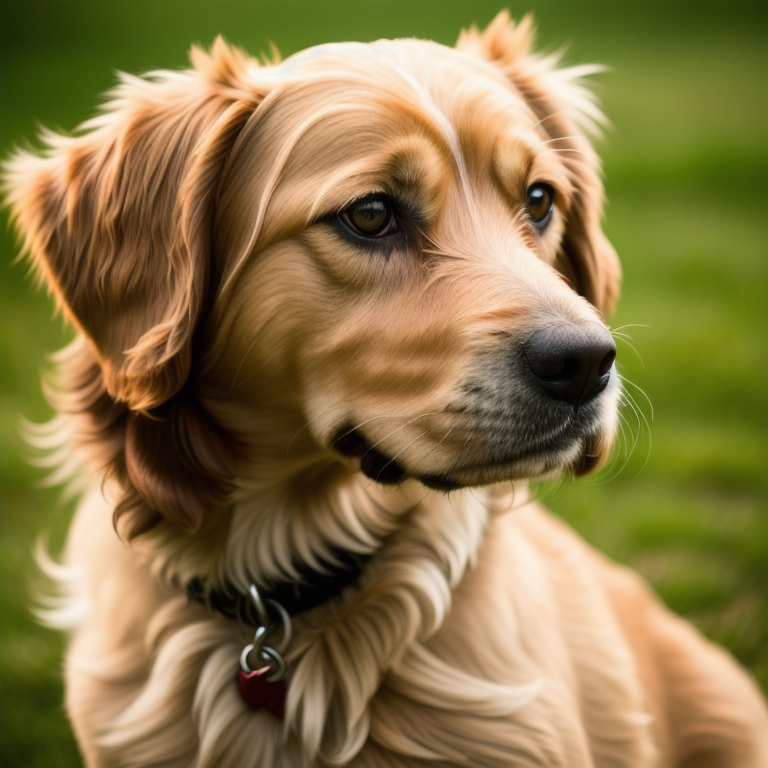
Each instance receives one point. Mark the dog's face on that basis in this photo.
(383, 255)
(410, 269)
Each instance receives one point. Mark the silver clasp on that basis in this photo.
(271, 657)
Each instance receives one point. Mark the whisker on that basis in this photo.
(619, 458)
(348, 432)
(437, 445)
(563, 149)
(242, 362)
(307, 425)
(629, 401)
(547, 117)
(564, 138)
(634, 436)
(617, 334)
(626, 340)
(404, 448)
(402, 426)
(641, 391)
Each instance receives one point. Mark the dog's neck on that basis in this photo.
(300, 549)
(312, 587)
(332, 570)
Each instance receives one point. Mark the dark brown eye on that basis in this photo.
(539, 202)
(370, 216)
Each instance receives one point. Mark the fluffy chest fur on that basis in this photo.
(493, 659)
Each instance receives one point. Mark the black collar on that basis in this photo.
(313, 588)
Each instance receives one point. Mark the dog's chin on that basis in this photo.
(575, 462)
(576, 459)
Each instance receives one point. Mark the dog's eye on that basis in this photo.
(370, 216)
(539, 202)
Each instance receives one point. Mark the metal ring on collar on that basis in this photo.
(256, 645)
(270, 654)
(261, 609)
(244, 658)
(264, 618)
(274, 660)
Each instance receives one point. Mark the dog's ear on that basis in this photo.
(117, 222)
(117, 219)
(565, 110)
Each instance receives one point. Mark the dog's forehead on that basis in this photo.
(422, 66)
(319, 57)
(453, 91)
(328, 57)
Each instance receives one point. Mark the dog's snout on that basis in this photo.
(571, 363)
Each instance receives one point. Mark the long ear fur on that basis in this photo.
(117, 222)
(561, 105)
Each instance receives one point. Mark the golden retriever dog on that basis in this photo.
(333, 314)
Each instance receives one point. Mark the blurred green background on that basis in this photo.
(686, 166)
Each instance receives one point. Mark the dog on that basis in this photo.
(333, 313)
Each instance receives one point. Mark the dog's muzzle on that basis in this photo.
(561, 369)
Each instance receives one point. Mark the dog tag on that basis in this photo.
(259, 692)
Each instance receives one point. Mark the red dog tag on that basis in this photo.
(259, 692)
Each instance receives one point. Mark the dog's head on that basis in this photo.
(387, 256)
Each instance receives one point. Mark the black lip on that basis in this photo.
(373, 463)
(440, 483)
(350, 442)
(381, 468)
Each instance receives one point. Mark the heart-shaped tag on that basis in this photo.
(259, 692)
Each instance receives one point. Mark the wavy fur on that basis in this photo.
(248, 367)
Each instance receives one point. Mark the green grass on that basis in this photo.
(686, 168)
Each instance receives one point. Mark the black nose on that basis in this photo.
(571, 362)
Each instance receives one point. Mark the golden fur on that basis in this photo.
(232, 334)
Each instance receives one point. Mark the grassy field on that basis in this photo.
(686, 166)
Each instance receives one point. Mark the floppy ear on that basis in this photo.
(117, 220)
(562, 106)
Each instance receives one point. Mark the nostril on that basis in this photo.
(607, 362)
(549, 364)
(571, 362)
(570, 367)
